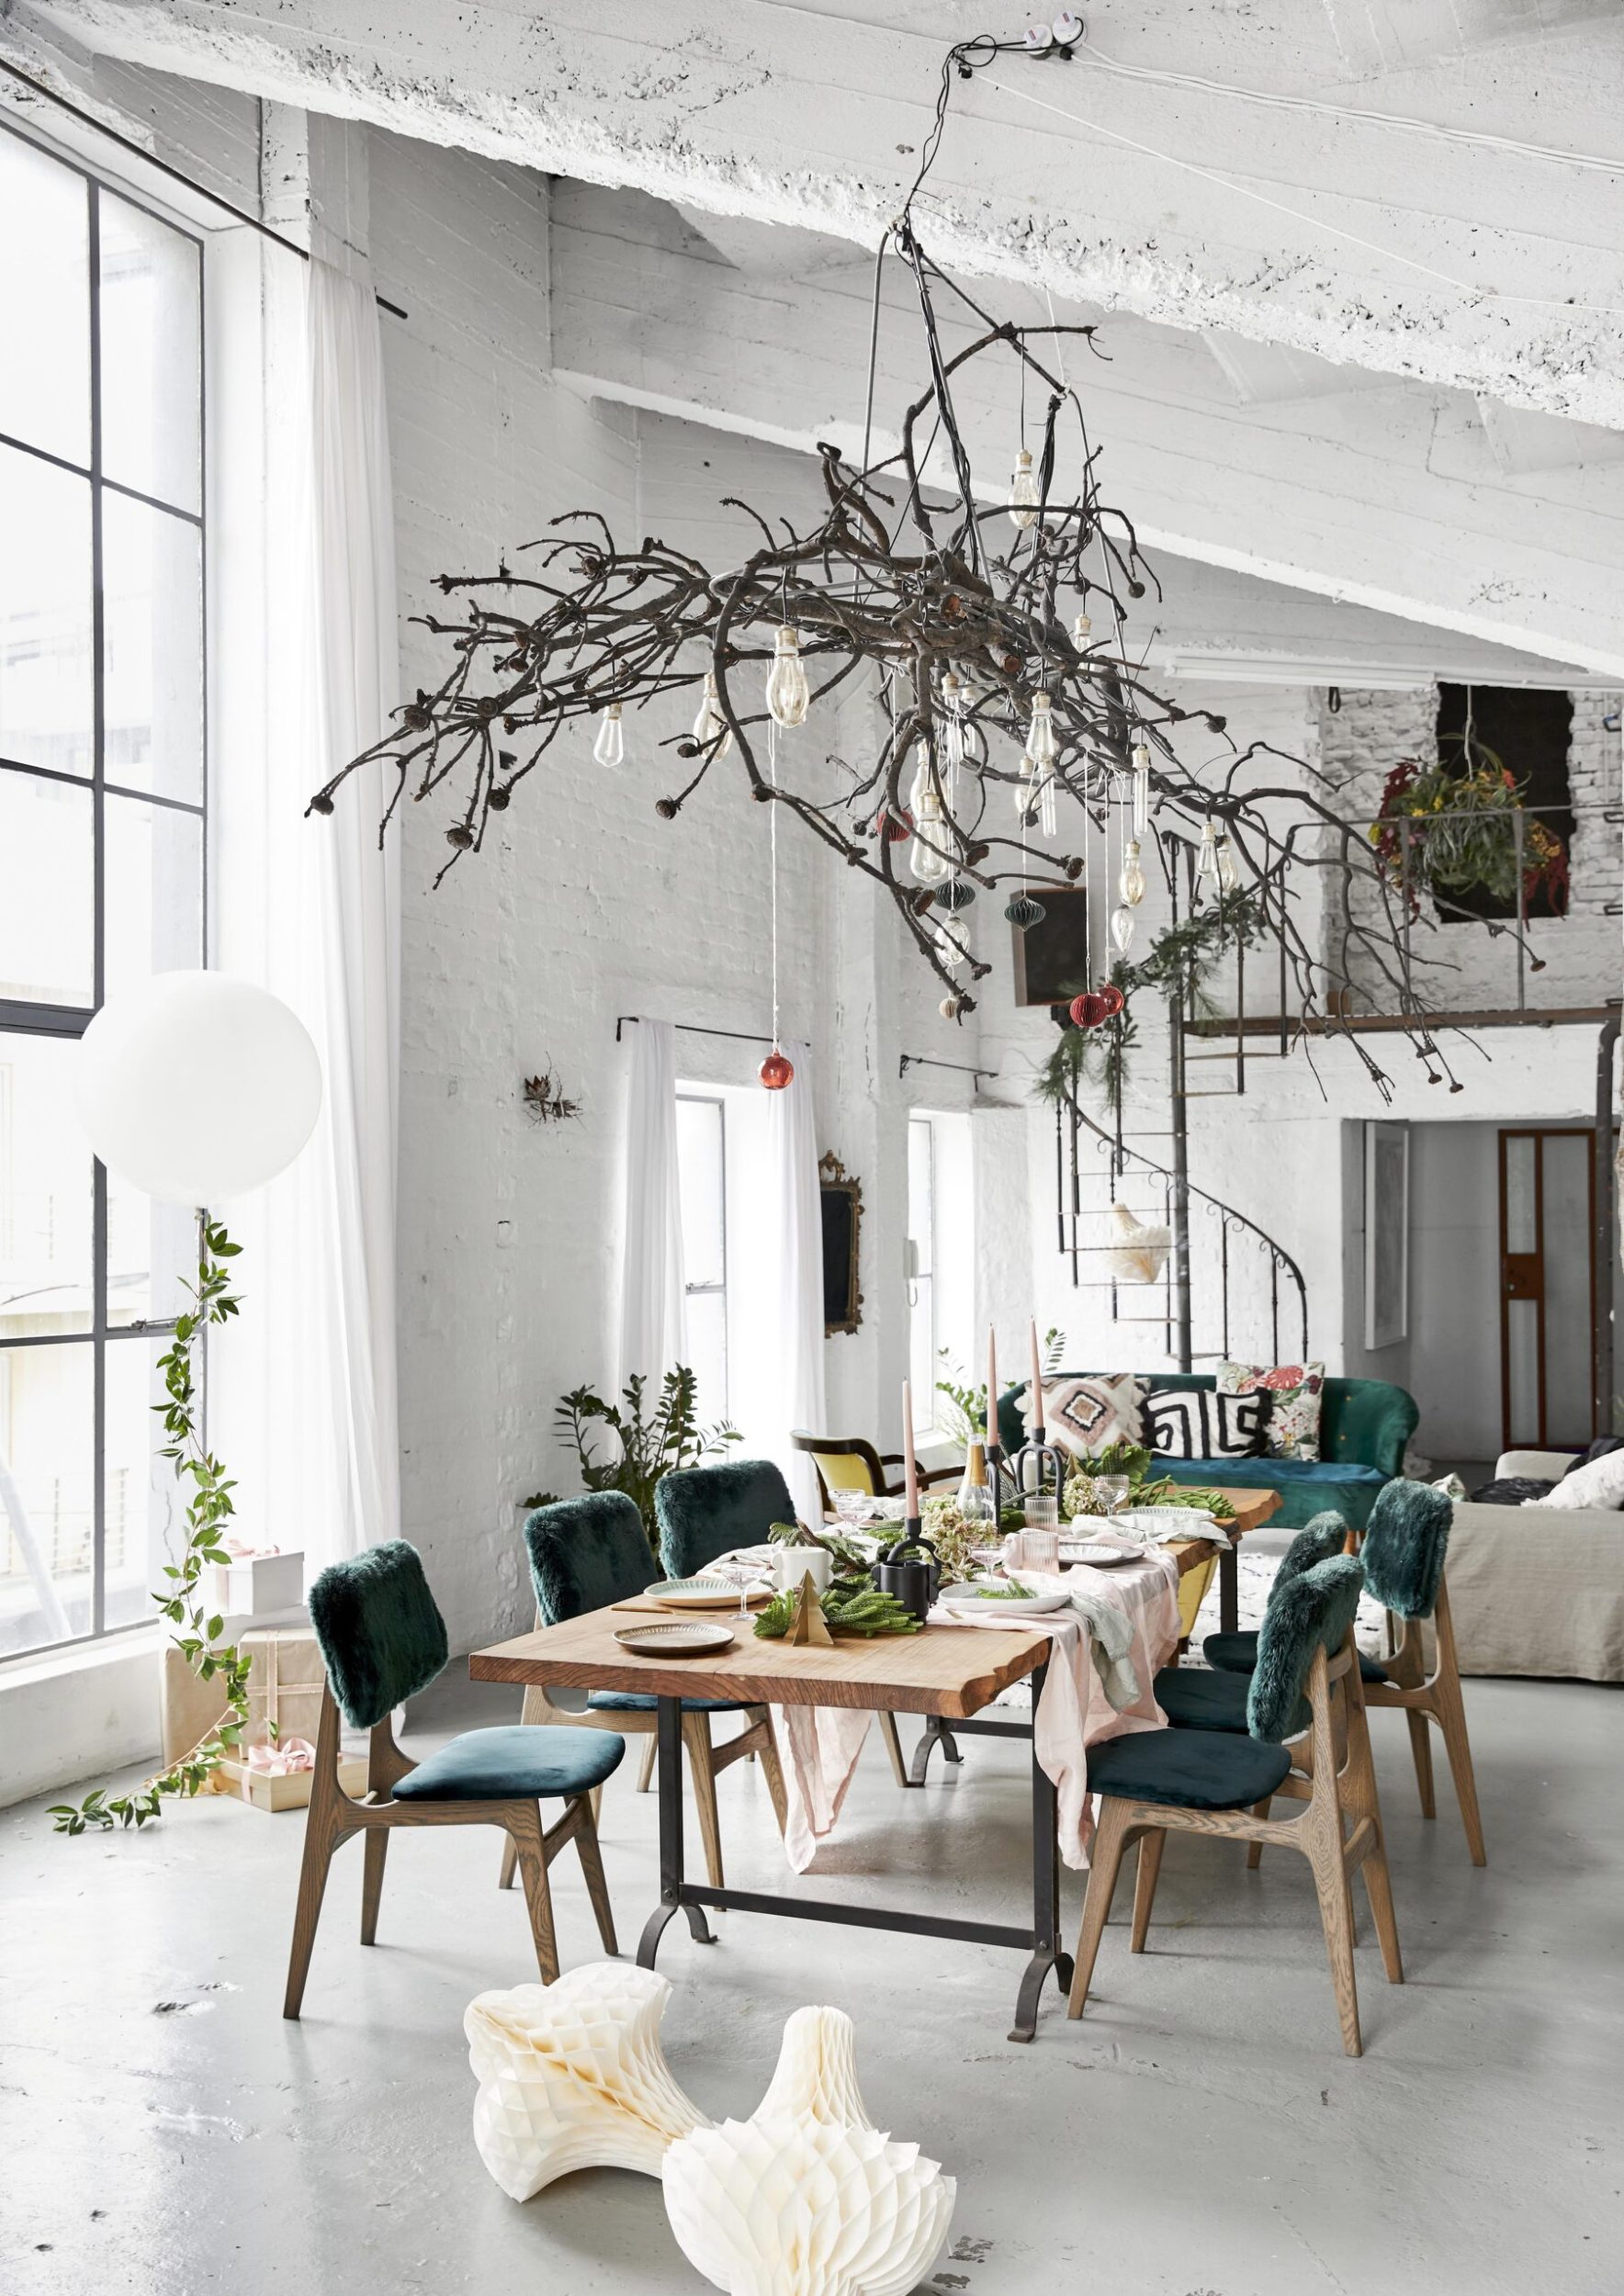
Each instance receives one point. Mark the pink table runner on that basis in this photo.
(820, 1745)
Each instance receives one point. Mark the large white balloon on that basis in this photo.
(197, 1086)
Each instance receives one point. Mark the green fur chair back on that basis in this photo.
(1317, 1542)
(1405, 1543)
(585, 1553)
(1313, 1611)
(382, 1637)
(704, 1511)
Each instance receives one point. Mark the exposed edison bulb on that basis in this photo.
(1206, 860)
(950, 756)
(929, 849)
(1043, 747)
(922, 790)
(1122, 930)
(1131, 883)
(788, 695)
(1141, 788)
(948, 948)
(710, 724)
(1024, 492)
(1229, 875)
(1044, 792)
(1081, 629)
(610, 747)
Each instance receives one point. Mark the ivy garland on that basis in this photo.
(207, 1511)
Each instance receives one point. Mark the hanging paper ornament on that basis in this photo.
(1112, 997)
(1025, 912)
(775, 1071)
(949, 1008)
(955, 894)
(1122, 930)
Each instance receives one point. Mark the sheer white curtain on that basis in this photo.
(303, 1388)
(794, 1231)
(651, 1332)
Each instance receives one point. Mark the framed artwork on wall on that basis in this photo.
(1052, 956)
(1387, 1234)
(842, 1202)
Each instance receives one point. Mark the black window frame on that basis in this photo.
(23, 1017)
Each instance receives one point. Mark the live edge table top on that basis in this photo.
(950, 1670)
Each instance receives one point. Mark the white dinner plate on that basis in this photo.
(980, 1599)
(1093, 1553)
(702, 1594)
(679, 1639)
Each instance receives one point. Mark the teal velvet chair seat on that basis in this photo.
(589, 1552)
(514, 1765)
(383, 1641)
(1193, 1699)
(1186, 1769)
(1237, 1654)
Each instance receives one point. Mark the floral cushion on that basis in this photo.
(1087, 1417)
(1297, 1388)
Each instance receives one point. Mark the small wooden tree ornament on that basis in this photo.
(808, 1626)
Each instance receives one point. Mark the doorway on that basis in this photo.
(1548, 1304)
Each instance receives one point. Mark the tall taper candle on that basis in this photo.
(1034, 1410)
(992, 1391)
(912, 1502)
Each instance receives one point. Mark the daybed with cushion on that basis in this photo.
(1539, 1589)
(1365, 1426)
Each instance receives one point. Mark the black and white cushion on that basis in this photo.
(1193, 1423)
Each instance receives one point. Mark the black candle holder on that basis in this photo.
(1038, 1470)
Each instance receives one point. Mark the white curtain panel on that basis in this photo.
(651, 1334)
(795, 1243)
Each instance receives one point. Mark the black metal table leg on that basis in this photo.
(935, 1733)
(1229, 1589)
(669, 1728)
(1046, 1892)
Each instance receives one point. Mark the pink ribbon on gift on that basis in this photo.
(239, 1551)
(283, 1759)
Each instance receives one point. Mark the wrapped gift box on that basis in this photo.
(249, 1586)
(291, 1790)
(285, 1684)
(190, 1710)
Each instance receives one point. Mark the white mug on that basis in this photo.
(794, 1562)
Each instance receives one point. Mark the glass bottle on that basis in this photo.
(974, 1493)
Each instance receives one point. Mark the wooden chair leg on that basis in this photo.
(320, 1843)
(696, 1738)
(893, 1748)
(523, 1824)
(374, 1849)
(1421, 1755)
(1335, 1902)
(1255, 1848)
(1452, 1718)
(509, 1862)
(645, 1767)
(597, 1887)
(1110, 1836)
(773, 1771)
(1362, 1801)
(1151, 1846)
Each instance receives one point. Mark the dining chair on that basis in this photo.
(383, 1641)
(585, 1554)
(1214, 1782)
(850, 1463)
(705, 1510)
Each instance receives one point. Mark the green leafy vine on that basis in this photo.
(207, 1510)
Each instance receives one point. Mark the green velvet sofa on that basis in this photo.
(1365, 1428)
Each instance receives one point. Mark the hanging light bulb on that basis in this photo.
(1206, 860)
(929, 855)
(788, 695)
(609, 749)
(1141, 788)
(1122, 930)
(948, 948)
(1024, 492)
(951, 753)
(1044, 792)
(923, 788)
(1131, 883)
(710, 724)
(1081, 629)
(1043, 746)
(1229, 875)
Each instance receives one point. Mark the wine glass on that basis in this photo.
(1113, 1492)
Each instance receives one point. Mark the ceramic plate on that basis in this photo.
(1096, 1554)
(979, 1598)
(702, 1594)
(681, 1638)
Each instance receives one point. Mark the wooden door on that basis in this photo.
(1546, 1287)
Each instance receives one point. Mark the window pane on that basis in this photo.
(153, 580)
(47, 895)
(45, 1192)
(143, 1502)
(149, 355)
(45, 633)
(152, 890)
(45, 295)
(46, 1493)
(920, 1192)
(699, 1171)
(152, 1250)
(706, 1324)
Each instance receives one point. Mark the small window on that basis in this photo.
(702, 1187)
(1524, 731)
(921, 1267)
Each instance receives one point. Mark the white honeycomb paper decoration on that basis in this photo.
(571, 2077)
(808, 2198)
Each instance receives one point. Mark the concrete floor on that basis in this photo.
(1199, 2133)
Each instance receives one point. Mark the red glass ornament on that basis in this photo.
(1076, 1011)
(775, 1071)
(1087, 1010)
(1112, 997)
(895, 827)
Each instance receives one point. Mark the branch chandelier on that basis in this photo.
(996, 632)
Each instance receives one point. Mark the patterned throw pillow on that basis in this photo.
(1086, 1416)
(1195, 1423)
(1297, 1389)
